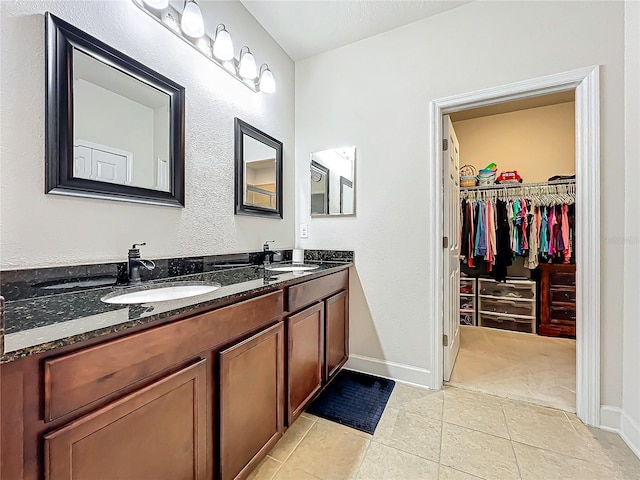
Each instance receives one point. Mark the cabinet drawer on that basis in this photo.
(563, 278)
(306, 293)
(563, 295)
(521, 289)
(511, 307)
(78, 379)
(505, 322)
(563, 315)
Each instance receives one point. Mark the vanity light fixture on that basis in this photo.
(267, 82)
(157, 4)
(222, 44)
(192, 23)
(247, 68)
(219, 49)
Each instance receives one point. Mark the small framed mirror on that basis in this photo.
(258, 162)
(333, 182)
(115, 128)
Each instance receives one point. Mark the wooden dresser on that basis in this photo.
(557, 300)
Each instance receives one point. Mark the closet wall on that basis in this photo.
(537, 142)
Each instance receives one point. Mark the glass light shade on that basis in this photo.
(267, 82)
(248, 67)
(222, 45)
(157, 4)
(192, 23)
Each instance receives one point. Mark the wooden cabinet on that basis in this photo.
(305, 338)
(557, 300)
(251, 401)
(336, 333)
(157, 432)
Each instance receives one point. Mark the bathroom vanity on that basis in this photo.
(200, 389)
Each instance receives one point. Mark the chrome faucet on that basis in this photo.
(268, 254)
(135, 262)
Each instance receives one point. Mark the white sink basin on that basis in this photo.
(292, 268)
(160, 294)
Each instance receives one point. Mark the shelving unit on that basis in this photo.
(508, 306)
(468, 301)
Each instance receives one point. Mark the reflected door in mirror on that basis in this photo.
(333, 182)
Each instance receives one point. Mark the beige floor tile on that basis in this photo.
(291, 438)
(525, 409)
(410, 432)
(612, 448)
(288, 472)
(339, 426)
(329, 453)
(386, 463)
(519, 366)
(448, 473)
(478, 453)
(542, 429)
(476, 411)
(266, 470)
(416, 400)
(537, 464)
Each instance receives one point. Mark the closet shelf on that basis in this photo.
(517, 299)
(517, 185)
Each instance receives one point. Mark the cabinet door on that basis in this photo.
(251, 401)
(306, 357)
(337, 332)
(158, 432)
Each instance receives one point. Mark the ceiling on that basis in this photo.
(305, 28)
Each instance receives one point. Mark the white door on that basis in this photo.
(82, 159)
(451, 244)
(110, 167)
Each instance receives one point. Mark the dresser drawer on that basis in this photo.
(506, 322)
(306, 293)
(511, 307)
(565, 295)
(563, 315)
(78, 379)
(563, 278)
(514, 289)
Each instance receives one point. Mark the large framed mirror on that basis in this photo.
(333, 182)
(258, 169)
(115, 128)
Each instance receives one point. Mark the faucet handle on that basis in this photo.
(136, 245)
(265, 247)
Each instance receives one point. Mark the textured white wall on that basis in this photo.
(43, 230)
(375, 94)
(630, 421)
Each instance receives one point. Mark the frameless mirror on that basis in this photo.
(333, 182)
(115, 128)
(258, 172)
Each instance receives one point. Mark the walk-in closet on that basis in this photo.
(517, 245)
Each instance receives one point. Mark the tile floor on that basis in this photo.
(453, 434)
(519, 366)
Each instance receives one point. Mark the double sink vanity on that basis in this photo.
(212, 366)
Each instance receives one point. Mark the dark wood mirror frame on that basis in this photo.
(62, 38)
(243, 128)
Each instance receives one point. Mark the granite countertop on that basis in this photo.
(42, 323)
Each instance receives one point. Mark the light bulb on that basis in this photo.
(247, 67)
(267, 82)
(222, 45)
(157, 4)
(192, 23)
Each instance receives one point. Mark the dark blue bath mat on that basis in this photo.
(353, 399)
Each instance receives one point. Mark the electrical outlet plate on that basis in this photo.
(304, 230)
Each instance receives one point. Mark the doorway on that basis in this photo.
(585, 84)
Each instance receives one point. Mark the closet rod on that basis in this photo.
(518, 185)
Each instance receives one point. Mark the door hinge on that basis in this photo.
(445, 242)
(445, 144)
(445, 340)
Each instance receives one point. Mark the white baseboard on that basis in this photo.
(419, 377)
(614, 419)
(630, 433)
(610, 418)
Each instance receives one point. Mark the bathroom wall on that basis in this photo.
(375, 94)
(538, 142)
(630, 415)
(40, 230)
